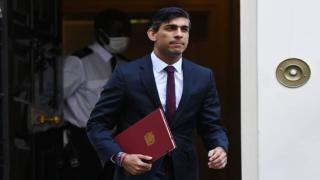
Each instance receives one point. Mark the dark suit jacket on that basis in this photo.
(131, 94)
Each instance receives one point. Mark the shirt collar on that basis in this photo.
(159, 65)
(103, 53)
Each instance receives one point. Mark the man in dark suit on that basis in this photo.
(185, 91)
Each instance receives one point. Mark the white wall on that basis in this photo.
(287, 124)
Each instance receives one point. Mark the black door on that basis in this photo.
(31, 90)
(4, 147)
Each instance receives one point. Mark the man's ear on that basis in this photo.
(152, 34)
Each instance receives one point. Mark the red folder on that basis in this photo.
(149, 136)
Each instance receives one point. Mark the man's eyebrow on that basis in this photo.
(174, 25)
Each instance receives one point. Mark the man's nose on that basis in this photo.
(178, 33)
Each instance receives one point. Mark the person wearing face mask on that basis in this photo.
(85, 72)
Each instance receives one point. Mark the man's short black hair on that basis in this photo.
(166, 15)
(113, 22)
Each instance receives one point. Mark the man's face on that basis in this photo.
(171, 39)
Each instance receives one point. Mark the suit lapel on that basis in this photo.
(148, 81)
(187, 84)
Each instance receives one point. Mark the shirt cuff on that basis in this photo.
(118, 158)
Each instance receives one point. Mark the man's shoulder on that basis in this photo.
(81, 53)
(136, 63)
(195, 66)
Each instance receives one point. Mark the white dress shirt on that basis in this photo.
(160, 76)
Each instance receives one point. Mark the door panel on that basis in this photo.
(34, 102)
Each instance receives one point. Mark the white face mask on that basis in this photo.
(117, 44)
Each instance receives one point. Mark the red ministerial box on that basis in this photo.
(149, 136)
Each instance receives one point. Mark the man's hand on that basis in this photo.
(136, 164)
(217, 158)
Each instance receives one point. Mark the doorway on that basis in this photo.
(214, 43)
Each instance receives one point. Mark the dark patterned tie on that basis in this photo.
(171, 94)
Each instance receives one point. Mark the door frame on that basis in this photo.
(249, 90)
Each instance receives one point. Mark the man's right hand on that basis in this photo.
(136, 164)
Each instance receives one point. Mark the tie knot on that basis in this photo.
(169, 69)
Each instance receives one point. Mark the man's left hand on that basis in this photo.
(217, 158)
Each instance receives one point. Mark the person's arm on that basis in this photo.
(104, 118)
(73, 75)
(211, 129)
